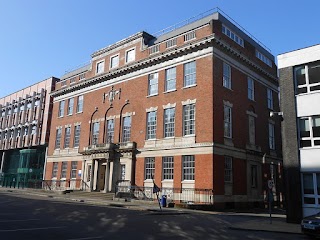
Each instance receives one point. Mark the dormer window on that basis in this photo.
(171, 43)
(189, 36)
(232, 35)
(100, 67)
(130, 55)
(154, 49)
(82, 76)
(114, 61)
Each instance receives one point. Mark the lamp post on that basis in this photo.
(90, 129)
(120, 123)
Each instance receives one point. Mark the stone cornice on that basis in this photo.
(158, 58)
(151, 60)
(244, 58)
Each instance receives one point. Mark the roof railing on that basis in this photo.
(203, 15)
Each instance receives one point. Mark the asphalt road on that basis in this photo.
(28, 217)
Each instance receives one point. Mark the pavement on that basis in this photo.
(252, 221)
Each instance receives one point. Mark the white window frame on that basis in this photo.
(314, 141)
(151, 125)
(232, 35)
(76, 139)
(73, 172)
(188, 168)
(315, 195)
(171, 79)
(149, 168)
(61, 108)
(227, 75)
(80, 100)
(263, 58)
(116, 64)
(169, 122)
(189, 119)
(190, 74)
(271, 136)
(227, 121)
(154, 49)
(153, 81)
(127, 55)
(110, 131)
(67, 137)
(167, 168)
(250, 88)
(228, 169)
(58, 138)
(189, 36)
(307, 87)
(171, 43)
(100, 69)
(95, 132)
(126, 129)
(54, 170)
(64, 167)
(70, 106)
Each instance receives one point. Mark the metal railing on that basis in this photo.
(182, 195)
(203, 15)
(68, 184)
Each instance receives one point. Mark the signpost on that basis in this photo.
(270, 196)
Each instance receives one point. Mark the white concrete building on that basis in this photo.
(300, 103)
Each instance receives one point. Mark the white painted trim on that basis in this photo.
(152, 109)
(188, 102)
(298, 57)
(169, 105)
(244, 69)
(143, 72)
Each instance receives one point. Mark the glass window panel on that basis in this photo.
(110, 130)
(316, 126)
(167, 166)
(305, 143)
(149, 167)
(308, 200)
(151, 125)
(315, 88)
(304, 127)
(308, 183)
(314, 72)
(126, 130)
(188, 167)
(301, 90)
(171, 79)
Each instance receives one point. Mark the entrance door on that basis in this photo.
(101, 180)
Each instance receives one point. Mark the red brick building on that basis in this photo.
(188, 110)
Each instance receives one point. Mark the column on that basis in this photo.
(110, 176)
(96, 175)
(92, 174)
(106, 178)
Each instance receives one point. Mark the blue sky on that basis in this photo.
(43, 38)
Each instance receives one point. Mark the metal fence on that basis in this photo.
(68, 184)
(182, 195)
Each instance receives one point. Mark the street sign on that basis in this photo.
(270, 184)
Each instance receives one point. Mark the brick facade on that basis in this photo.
(200, 156)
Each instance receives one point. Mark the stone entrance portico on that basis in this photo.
(105, 164)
